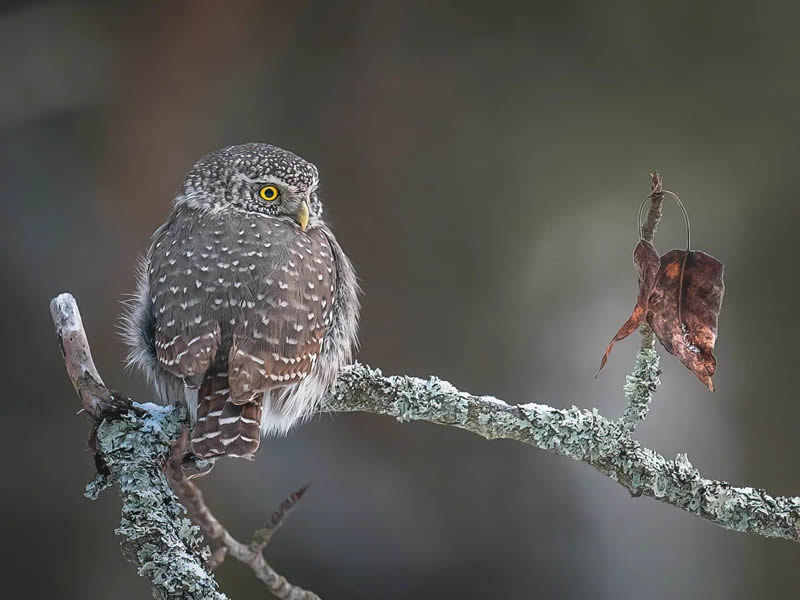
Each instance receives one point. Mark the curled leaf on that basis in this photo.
(683, 309)
(645, 258)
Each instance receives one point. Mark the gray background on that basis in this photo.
(482, 164)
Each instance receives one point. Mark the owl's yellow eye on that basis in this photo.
(268, 193)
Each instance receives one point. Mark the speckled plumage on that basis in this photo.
(240, 311)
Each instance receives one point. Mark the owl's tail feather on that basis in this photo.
(224, 428)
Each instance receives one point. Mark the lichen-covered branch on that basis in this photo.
(639, 388)
(578, 433)
(640, 385)
(167, 548)
(132, 444)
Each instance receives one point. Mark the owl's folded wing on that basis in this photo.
(281, 340)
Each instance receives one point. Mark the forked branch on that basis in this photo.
(136, 446)
(251, 554)
(134, 442)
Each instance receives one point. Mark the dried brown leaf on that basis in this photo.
(684, 306)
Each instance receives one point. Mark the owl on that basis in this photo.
(246, 307)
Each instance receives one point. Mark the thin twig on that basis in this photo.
(262, 537)
(648, 232)
(639, 388)
(656, 207)
(643, 382)
(250, 554)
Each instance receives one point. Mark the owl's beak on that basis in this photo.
(302, 215)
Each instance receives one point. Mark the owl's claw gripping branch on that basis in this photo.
(131, 441)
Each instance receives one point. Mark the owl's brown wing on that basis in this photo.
(188, 357)
(185, 336)
(279, 341)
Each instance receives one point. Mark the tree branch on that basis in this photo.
(640, 385)
(250, 554)
(132, 443)
(656, 207)
(581, 434)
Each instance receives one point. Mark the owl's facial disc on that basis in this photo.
(256, 178)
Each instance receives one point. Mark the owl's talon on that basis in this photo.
(196, 467)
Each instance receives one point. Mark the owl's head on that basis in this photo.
(256, 178)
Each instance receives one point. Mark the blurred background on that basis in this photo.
(482, 164)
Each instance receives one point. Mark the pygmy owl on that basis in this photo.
(246, 307)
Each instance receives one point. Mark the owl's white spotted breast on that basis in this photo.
(239, 291)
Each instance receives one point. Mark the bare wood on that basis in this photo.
(656, 207)
(654, 214)
(78, 356)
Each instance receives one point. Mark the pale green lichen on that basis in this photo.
(639, 387)
(168, 549)
(582, 434)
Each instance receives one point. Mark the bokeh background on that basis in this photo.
(483, 163)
